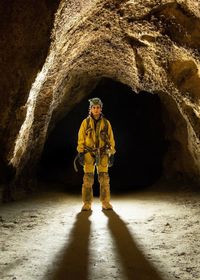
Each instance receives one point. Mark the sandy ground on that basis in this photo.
(149, 235)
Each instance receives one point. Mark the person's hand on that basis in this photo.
(81, 158)
(111, 160)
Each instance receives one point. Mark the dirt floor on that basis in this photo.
(149, 235)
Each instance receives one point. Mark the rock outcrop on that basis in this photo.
(25, 30)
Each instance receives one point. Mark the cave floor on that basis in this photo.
(149, 235)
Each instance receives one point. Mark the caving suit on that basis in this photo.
(96, 141)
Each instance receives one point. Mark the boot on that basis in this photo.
(87, 191)
(86, 207)
(107, 206)
(104, 181)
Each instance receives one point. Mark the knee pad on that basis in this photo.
(88, 180)
(104, 178)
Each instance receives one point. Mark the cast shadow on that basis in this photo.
(73, 261)
(135, 265)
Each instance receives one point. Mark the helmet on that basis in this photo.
(95, 101)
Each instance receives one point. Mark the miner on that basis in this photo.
(96, 149)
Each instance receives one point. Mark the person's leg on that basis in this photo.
(104, 181)
(87, 191)
(88, 181)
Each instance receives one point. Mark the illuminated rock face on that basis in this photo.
(148, 45)
(25, 28)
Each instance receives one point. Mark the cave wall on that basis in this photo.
(25, 31)
(148, 45)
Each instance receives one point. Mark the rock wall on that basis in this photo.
(149, 45)
(25, 30)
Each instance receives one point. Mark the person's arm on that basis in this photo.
(111, 138)
(81, 137)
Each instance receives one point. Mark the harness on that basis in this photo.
(96, 152)
(103, 134)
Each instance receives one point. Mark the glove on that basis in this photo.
(81, 158)
(110, 160)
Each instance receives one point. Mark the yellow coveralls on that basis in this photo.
(96, 138)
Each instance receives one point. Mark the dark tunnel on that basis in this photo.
(139, 134)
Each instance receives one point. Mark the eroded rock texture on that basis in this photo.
(148, 45)
(25, 29)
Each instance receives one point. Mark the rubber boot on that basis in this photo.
(87, 191)
(104, 181)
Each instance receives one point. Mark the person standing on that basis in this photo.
(96, 149)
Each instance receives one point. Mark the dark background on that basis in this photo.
(139, 134)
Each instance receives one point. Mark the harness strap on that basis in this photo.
(105, 129)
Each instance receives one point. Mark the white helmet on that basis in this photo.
(95, 101)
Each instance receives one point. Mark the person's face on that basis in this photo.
(96, 110)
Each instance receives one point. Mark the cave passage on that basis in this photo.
(139, 135)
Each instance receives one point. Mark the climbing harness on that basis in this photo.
(96, 152)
